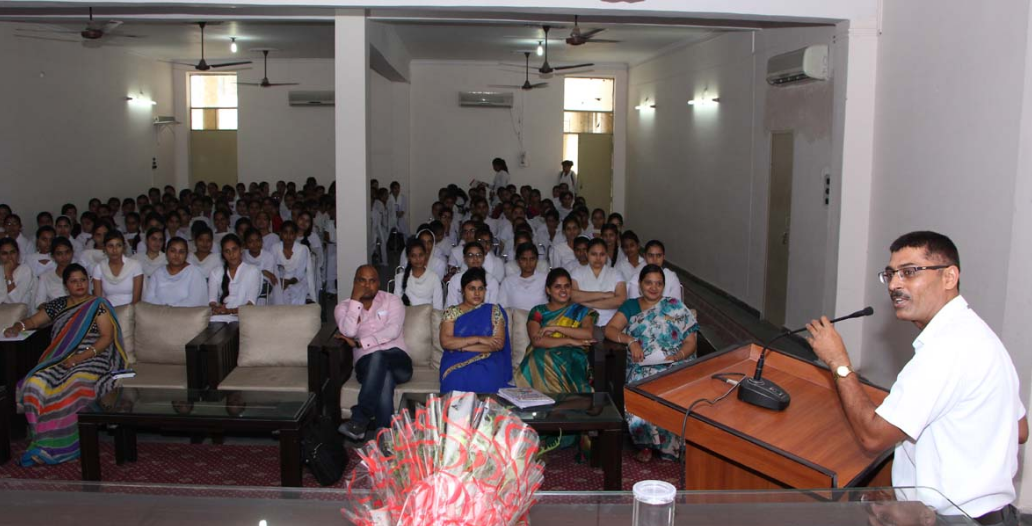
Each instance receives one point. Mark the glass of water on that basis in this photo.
(653, 503)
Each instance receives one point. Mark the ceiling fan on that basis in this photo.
(265, 78)
(546, 68)
(94, 30)
(526, 83)
(203, 65)
(577, 38)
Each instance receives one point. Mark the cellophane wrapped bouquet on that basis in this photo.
(459, 461)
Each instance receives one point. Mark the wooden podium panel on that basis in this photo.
(734, 445)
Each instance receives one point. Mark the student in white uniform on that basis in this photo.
(235, 284)
(467, 234)
(611, 235)
(396, 208)
(493, 265)
(598, 219)
(565, 207)
(152, 257)
(94, 253)
(512, 266)
(436, 261)
(580, 250)
(562, 253)
(378, 231)
(599, 286)
(655, 254)
(19, 283)
(263, 223)
(309, 236)
(63, 228)
(50, 284)
(173, 226)
(474, 258)
(42, 261)
(417, 284)
(222, 226)
(84, 239)
(13, 230)
(293, 265)
(269, 294)
(202, 257)
(633, 261)
(179, 283)
(118, 279)
(501, 176)
(525, 290)
(568, 176)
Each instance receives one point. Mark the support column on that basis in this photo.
(351, 69)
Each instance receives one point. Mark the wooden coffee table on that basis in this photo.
(592, 413)
(196, 411)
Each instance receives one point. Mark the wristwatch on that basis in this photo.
(843, 371)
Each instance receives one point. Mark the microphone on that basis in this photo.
(767, 394)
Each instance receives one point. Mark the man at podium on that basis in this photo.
(954, 412)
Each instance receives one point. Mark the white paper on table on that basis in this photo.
(656, 358)
(21, 336)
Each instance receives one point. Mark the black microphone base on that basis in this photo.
(763, 393)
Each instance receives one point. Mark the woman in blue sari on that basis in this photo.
(659, 333)
(475, 337)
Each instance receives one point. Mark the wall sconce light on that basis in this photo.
(705, 100)
(645, 105)
(233, 46)
(140, 101)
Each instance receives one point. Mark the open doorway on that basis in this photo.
(779, 220)
(588, 137)
(213, 128)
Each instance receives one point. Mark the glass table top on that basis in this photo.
(32, 503)
(568, 408)
(256, 405)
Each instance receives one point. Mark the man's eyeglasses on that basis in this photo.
(905, 273)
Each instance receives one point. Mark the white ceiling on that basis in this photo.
(170, 33)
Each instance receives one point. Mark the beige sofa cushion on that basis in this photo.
(162, 332)
(157, 376)
(277, 335)
(11, 313)
(435, 332)
(518, 337)
(126, 316)
(417, 334)
(277, 378)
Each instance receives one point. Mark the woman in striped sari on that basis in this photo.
(86, 348)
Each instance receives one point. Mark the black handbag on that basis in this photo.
(322, 450)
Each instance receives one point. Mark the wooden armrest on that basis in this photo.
(320, 365)
(196, 366)
(221, 353)
(335, 355)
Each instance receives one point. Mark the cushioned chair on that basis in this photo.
(422, 332)
(271, 348)
(158, 339)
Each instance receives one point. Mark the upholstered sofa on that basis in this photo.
(159, 341)
(423, 341)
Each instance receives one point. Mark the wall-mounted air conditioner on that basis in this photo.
(311, 98)
(485, 99)
(809, 63)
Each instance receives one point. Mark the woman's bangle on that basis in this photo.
(23, 326)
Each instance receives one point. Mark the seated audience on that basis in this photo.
(493, 265)
(63, 228)
(475, 337)
(655, 254)
(202, 257)
(632, 263)
(118, 279)
(611, 235)
(265, 261)
(599, 285)
(473, 258)
(13, 230)
(562, 253)
(19, 283)
(152, 257)
(235, 284)
(598, 218)
(50, 285)
(178, 284)
(525, 290)
(560, 335)
(580, 250)
(93, 254)
(74, 371)
(416, 284)
(659, 332)
(42, 261)
(294, 263)
(371, 323)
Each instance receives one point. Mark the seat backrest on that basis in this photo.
(418, 336)
(277, 335)
(162, 332)
(11, 313)
(519, 339)
(126, 315)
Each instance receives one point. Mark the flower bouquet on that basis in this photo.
(458, 461)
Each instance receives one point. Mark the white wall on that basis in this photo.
(708, 168)
(451, 144)
(67, 132)
(278, 141)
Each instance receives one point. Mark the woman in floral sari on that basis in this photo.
(659, 333)
(475, 337)
(86, 348)
(560, 331)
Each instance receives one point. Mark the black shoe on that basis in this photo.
(353, 430)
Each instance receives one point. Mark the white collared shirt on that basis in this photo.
(957, 401)
(518, 292)
(455, 290)
(606, 281)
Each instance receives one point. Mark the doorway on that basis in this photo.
(213, 128)
(588, 137)
(779, 221)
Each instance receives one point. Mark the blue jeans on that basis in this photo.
(379, 372)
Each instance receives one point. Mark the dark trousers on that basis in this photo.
(379, 372)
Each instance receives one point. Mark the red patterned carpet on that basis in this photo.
(258, 465)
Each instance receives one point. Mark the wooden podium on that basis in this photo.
(734, 445)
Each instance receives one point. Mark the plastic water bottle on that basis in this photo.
(653, 503)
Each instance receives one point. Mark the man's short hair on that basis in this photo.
(935, 245)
